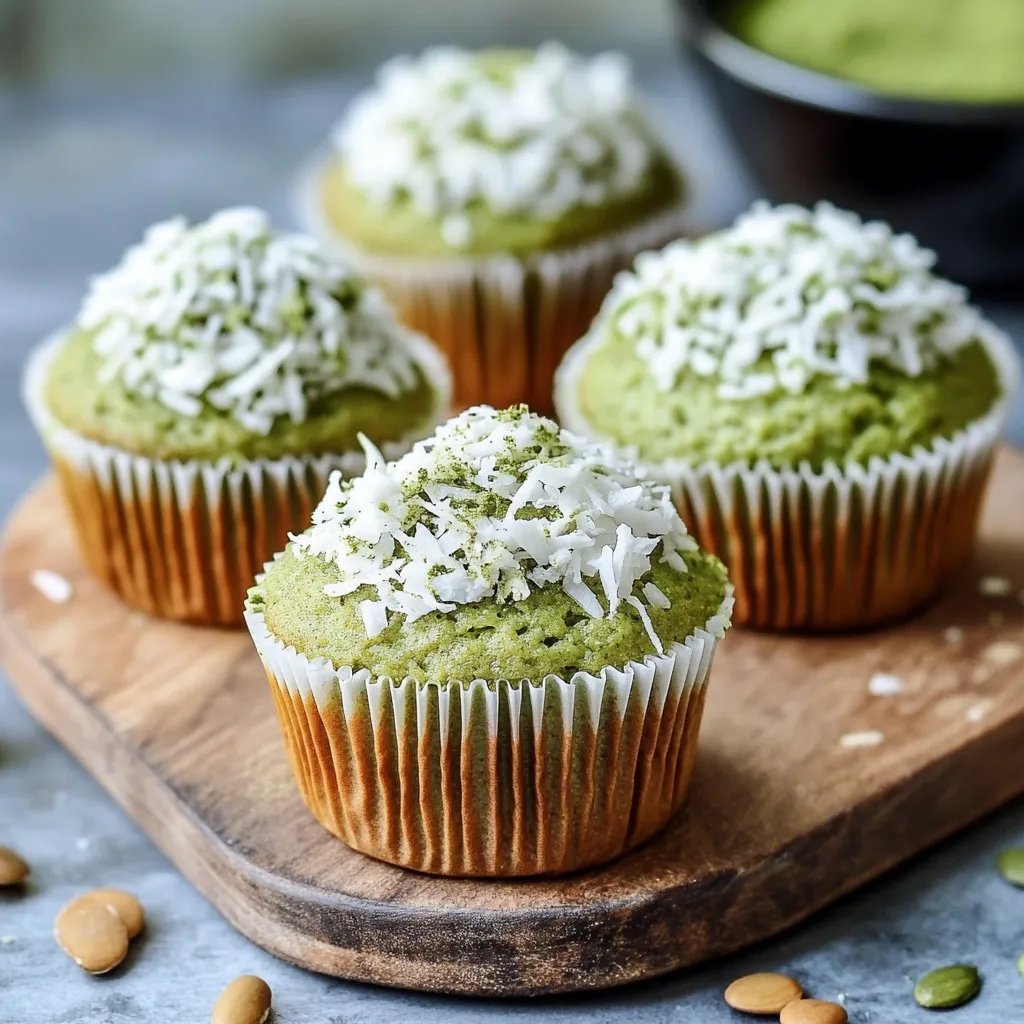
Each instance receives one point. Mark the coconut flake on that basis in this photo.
(494, 505)
(551, 132)
(786, 294)
(233, 315)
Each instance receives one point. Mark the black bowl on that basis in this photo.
(951, 173)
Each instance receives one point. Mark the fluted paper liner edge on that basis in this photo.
(504, 322)
(843, 547)
(183, 539)
(493, 778)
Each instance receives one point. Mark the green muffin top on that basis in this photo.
(501, 548)
(228, 339)
(796, 336)
(966, 50)
(516, 151)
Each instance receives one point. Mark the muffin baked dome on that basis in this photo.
(501, 548)
(495, 151)
(209, 385)
(228, 338)
(523, 619)
(809, 387)
(795, 336)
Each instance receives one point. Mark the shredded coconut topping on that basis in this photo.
(787, 293)
(251, 321)
(494, 504)
(536, 134)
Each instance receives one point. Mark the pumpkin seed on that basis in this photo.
(813, 1011)
(762, 993)
(13, 870)
(1011, 866)
(947, 987)
(92, 935)
(125, 905)
(1020, 966)
(245, 1001)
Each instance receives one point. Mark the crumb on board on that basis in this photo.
(51, 585)
(1003, 652)
(995, 586)
(976, 712)
(952, 634)
(885, 684)
(859, 740)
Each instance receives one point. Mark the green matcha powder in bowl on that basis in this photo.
(490, 656)
(962, 51)
(209, 386)
(824, 408)
(493, 195)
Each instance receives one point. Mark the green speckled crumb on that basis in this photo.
(402, 230)
(109, 414)
(546, 633)
(891, 413)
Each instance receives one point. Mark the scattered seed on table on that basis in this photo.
(813, 1011)
(762, 993)
(92, 935)
(125, 905)
(947, 987)
(1010, 864)
(13, 870)
(245, 1001)
(1020, 966)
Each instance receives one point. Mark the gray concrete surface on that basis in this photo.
(80, 176)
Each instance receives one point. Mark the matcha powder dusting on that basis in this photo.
(960, 50)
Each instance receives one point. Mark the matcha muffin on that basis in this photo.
(208, 387)
(494, 195)
(490, 656)
(823, 406)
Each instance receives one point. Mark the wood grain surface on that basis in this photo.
(178, 724)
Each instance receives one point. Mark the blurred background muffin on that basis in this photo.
(493, 195)
(208, 386)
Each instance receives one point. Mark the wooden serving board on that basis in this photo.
(178, 724)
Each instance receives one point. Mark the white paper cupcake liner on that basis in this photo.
(185, 539)
(503, 322)
(839, 548)
(493, 778)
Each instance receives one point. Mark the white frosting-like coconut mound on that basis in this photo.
(246, 319)
(551, 132)
(787, 293)
(493, 504)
